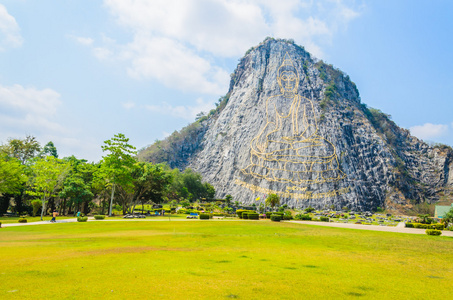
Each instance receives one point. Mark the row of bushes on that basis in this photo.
(436, 226)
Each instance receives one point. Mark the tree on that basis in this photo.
(150, 182)
(49, 174)
(185, 203)
(49, 149)
(23, 150)
(118, 163)
(77, 185)
(228, 199)
(448, 218)
(272, 200)
(12, 175)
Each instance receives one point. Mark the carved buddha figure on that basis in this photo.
(288, 148)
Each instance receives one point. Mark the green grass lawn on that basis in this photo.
(220, 260)
(5, 220)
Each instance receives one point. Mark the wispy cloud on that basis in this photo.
(86, 41)
(185, 112)
(429, 131)
(128, 105)
(10, 36)
(24, 108)
(176, 41)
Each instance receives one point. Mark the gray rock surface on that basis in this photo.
(313, 145)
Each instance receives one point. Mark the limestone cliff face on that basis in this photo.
(295, 126)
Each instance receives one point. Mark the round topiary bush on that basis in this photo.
(99, 217)
(23, 220)
(433, 232)
(82, 219)
(204, 216)
(276, 217)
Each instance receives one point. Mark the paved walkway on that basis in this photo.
(400, 228)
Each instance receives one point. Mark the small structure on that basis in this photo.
(441, 210)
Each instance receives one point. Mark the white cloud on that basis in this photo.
(9, 30)
(86, 41)
(185, 112)
(429, 131)
(175, 41)
(22, 109)
(128, 105)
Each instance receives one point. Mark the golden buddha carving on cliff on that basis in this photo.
(289, 149)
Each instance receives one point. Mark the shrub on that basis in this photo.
(22, 220)
(268, 214)
(309, 209)
(253, 216)
(36, 204)
(276, 217)
(304, 217)
(409, 225)
(204, 216)
(82, 219)
(324, 219)
(422, 226)
(0, 224)
(245, 215)
(287, 217)
(99, 217)
(438, 226)
(240, 213)
(433, 232)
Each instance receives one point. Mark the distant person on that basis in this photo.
(54, 215)
(78, 214)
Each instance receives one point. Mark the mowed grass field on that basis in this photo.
(220, 260)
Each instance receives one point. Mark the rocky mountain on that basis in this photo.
(295, 126)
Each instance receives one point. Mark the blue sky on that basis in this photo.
(76, 72)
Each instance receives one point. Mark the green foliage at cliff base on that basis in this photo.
(220, 259)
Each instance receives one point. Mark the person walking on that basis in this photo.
(54, 215)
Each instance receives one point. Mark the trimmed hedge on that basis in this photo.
(436, 226)
(240, 213)
(23, 220)
(276, 217)
(324, 219)
(433, 232)
(82, 219)
(99, 217)
(253, 216)
(204, 216)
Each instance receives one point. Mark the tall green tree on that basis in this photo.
(78, 184)
(272, 200)
(448, 218)
(49, 149)
(49, 174)
(12, 175)
(23, 150)
(118, 163)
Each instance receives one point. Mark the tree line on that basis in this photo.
(33, 179)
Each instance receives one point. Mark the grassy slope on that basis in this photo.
(222, 259)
